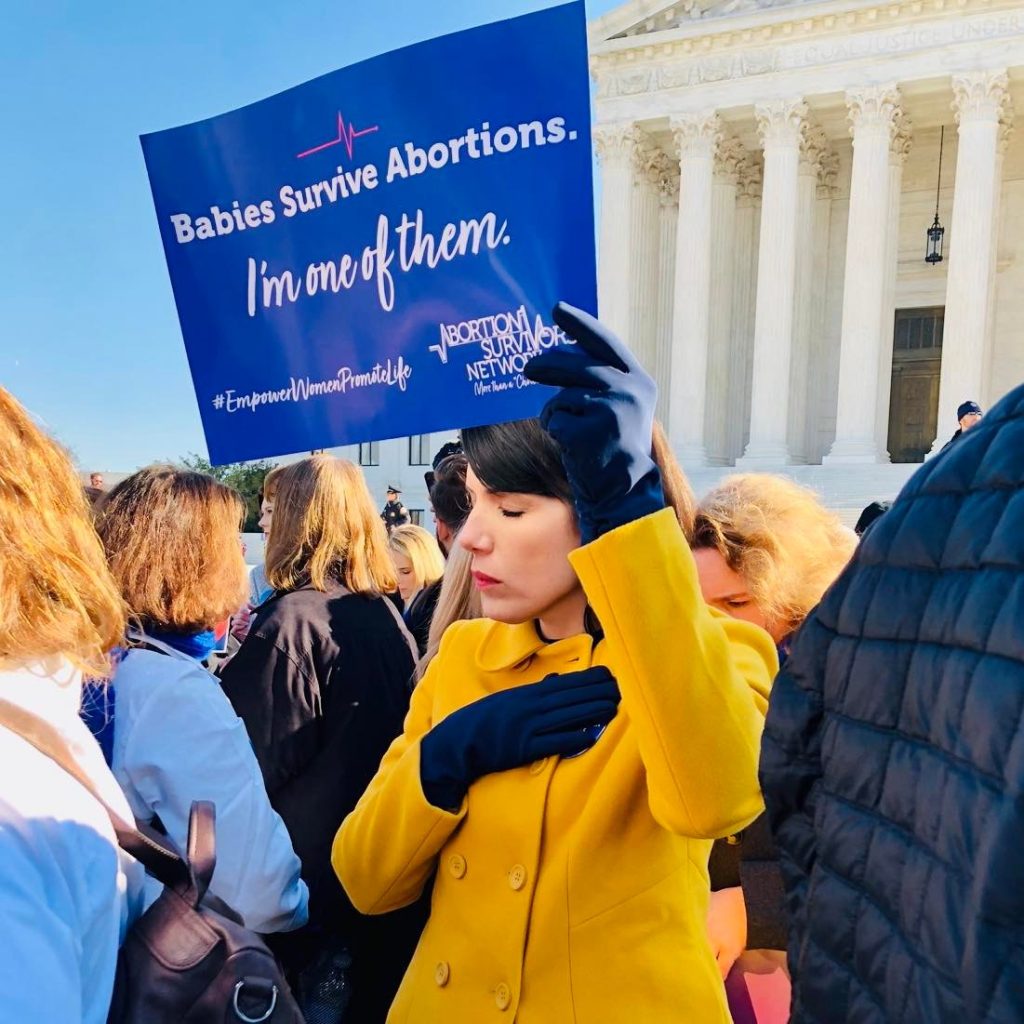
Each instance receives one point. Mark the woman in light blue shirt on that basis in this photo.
(171, 538)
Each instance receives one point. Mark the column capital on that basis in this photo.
(876, 108)
(730, 155)
(1005, 131)
(828, 174)
(664, 175)
(617, 141)
(696, 134)
(813, 148)
(749, 178)
(981, 96)
(781, 122)
(645, 157)
(899, 147)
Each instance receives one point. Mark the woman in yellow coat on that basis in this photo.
(570, 830)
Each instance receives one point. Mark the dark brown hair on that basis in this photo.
(522, 458)
(448, 496)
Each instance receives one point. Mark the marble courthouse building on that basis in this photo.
(769, 173)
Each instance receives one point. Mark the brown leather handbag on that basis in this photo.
(189, 959)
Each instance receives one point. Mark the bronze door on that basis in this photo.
(914, 400)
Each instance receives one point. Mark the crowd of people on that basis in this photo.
(510, 769)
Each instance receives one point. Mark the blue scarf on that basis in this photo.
(97, 711)
(99, 697)
(195, 645)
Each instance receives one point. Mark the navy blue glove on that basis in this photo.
(602, 419)
(511, 728)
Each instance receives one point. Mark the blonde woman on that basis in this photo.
(67, 894)
(417, 558)
(766, 550)
(322, 683)
(171, 538)
(419, 566)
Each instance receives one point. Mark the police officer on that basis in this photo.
(394, 513)
(967, 414)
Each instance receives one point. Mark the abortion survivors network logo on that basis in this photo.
(507, 342)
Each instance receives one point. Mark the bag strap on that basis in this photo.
(410, 640)
(162, 862)
(202, 848)
(144, 640)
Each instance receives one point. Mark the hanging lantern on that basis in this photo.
(933, 253)
(935, 233)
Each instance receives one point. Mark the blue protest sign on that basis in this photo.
(377, 252)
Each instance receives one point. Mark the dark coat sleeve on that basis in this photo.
(763, 890)
(751, 860)
(420, 614)
(724, 864)
(278, 699)
(791, 768)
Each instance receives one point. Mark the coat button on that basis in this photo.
(732, 840)
(457, 865)
(517, 877)
(538, 766)
(502, 996)
(442, 972)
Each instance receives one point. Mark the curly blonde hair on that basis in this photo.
(779, 537)
(57, 597)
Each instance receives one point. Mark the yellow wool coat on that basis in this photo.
(576, 889)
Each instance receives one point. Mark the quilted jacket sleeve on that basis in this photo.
(791, 767)
(694, 682)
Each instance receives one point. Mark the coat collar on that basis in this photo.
(506, 646)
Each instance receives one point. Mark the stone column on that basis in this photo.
(808, 271)
(668, 216)
(1005, 131)
(643, 248)
(616, 146)
(820, 397)
(696, 136)
(981, 102)
(745, 248)
(874, 115)
(728, 160)
(897, 158)
(780, 125)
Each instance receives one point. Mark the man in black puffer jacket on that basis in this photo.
(893, 756)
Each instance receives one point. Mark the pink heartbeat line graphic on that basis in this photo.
(346, 136)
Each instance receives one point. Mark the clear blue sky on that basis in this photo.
(89, 337)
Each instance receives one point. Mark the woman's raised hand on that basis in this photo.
(602, 418)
